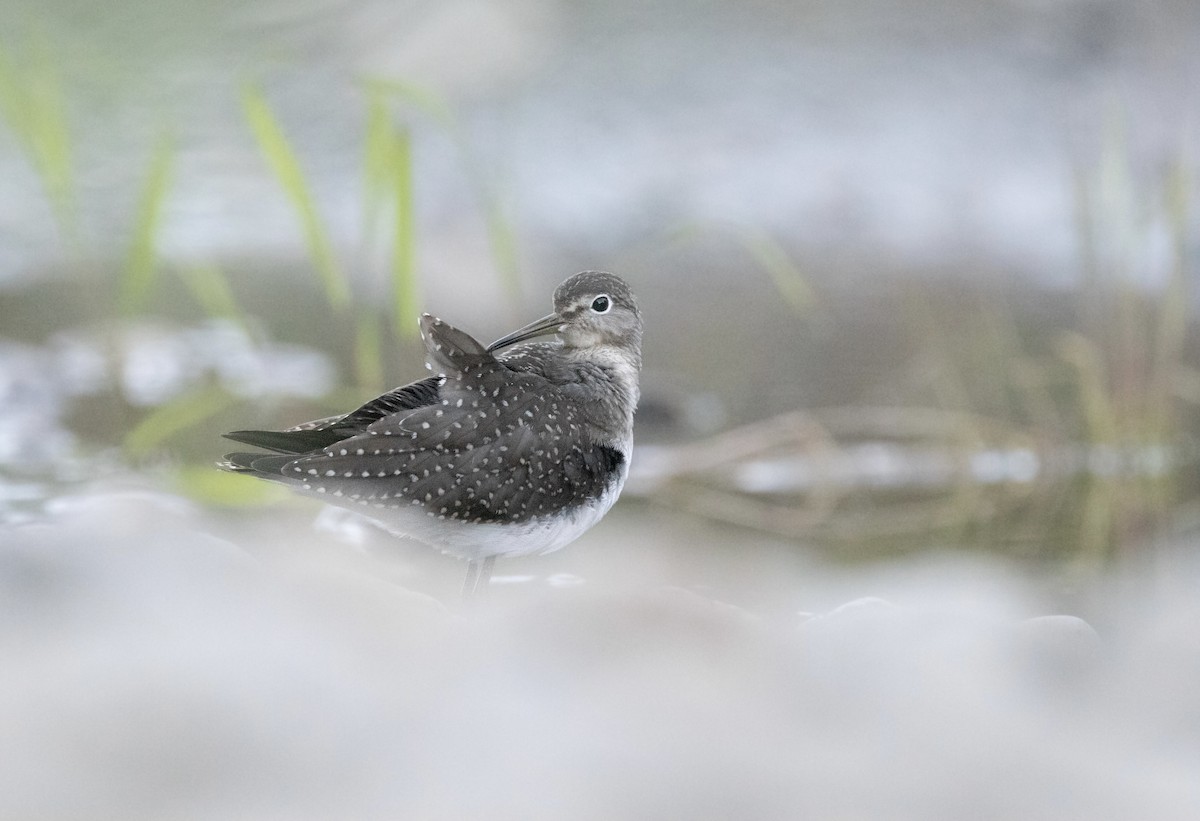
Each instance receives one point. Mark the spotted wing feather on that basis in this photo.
(322, 433)
(449, 349)
(499, 446)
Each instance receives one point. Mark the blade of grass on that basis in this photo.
(176, 416)
(1100, 420)
(218, 487)
(388, 171)
(276, 149)
(376, 164)
(368, 352)
(210, 288)
(141, 262)
(404, 273)
(422, 99)
(50, 132)
(33, 103)
(502, 237)
(789, 280)
(1173, 308)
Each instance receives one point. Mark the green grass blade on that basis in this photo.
(50, 134)
(276, 149)
(404, 266)
(377, 164)
(501, 236)
(205, 484)
(33, 104)
(1173, 309)
(791, 283)
(209, 286)
(388, 170)
(141, 263)
(176, 416)
(1094, 395)
(368, 352)
(503, 241)
(422, 99)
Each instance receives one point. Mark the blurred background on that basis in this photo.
(917, 280)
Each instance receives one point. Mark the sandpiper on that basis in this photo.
(500, 454)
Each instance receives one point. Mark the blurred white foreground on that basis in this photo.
(154, 670)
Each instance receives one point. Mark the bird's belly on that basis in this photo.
(478, 540)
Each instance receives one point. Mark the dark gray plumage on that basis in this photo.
(499, 454)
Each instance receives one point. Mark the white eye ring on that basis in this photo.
(601, 304)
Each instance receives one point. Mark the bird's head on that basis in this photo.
(591, 310)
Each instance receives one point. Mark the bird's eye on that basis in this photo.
(601, 304)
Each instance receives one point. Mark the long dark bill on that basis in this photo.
(546, 325)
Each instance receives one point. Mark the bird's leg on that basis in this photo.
(479, 574)
(485, 573)
(474, 566)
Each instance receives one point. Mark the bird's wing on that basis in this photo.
(321, 433)
(449, 349)
(409, 397)
(498, 445)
